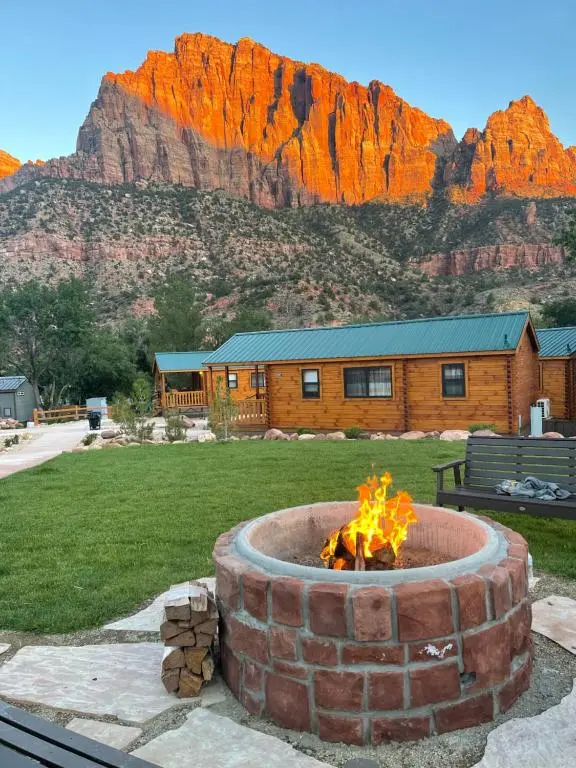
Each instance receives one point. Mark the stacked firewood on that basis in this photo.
(188, 630)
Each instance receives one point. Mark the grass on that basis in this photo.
(89, 537)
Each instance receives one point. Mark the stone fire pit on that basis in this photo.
(365, 657)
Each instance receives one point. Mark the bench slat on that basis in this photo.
(560, 442)
(76, 745)
(47, 753)
(567, 465)
(498, 475)
(491, 501)
(11, 759)
(523, 450)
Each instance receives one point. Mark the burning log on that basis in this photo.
(188, 631)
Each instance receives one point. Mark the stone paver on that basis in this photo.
(547, 740)
(121, 680)
(3, 648)
(212, 741)
(118, 736)
(555, 618)
(149, 619)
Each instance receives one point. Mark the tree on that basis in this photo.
(177, 324)
(105, 367)
(558, 314)
(222, 411)
(246, 320)
(42, 329)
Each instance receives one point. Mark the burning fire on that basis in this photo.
(380, 526)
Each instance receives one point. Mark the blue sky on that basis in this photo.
(454, 59)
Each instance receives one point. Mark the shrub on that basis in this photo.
(222, 411)
(10, 441)
(481, 425)
(353, 433)
(130, 412)
(175, 429)
(305, 431)
(89, 438)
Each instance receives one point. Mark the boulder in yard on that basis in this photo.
(208, 437)
(110, 434)
(275, 434)
(336, 436)
(306, 437)
(391, 437)
(455, 434)
(413, 435)
(187, 422)
(485, 433)
(553, 435)
(434, 435)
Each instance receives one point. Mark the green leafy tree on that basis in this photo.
(132, 412)
(105, 366)
(222, 411)
(177, 325)
(246, 319)
(558, 314)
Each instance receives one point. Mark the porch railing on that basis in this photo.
(183, 399)
(251, 413)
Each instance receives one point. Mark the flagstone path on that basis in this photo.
(4, 647)
(117, 736)
(555, 618)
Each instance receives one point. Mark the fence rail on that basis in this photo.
(70, 413)
(183, 399)
(251, 413)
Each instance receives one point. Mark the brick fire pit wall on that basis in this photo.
(374, 656)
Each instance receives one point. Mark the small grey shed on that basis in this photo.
(16, 398)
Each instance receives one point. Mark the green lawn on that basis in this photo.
(89, 537)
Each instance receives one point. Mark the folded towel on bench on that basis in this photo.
(533, 488)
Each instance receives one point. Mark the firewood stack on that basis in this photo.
(188, 630)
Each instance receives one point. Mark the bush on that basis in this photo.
(353, 433)
(10, 441)
(305, 431)
(130, 412)
(222, 411)
(175, 429)
(481, 425)
(89, 438)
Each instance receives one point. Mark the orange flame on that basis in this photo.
(380, 520)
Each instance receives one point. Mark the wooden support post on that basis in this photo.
(267, 398)
(211, 381)
(405, 405)
(509, 384)
(226, 374)
(257, 383)
(36, 417)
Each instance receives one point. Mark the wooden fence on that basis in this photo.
(69, 413)
(251, 413)
(195, 399)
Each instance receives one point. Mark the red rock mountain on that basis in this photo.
(281, 132)
(8, 164)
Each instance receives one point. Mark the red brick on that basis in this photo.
(445, 648)
(519, 683)
(399, 729)
(283, 643)
(499, 586)
(287, 601)
(465, 714)
(424, 610)
(471, 596)
(256, 594)
(519, 551)
(327, 609)
(386, 690)
(242, 638)
(373, 654)
(515, 538)
(486, 653)
(230, 669)
(339, 690)
(372, 614)
(228, 574)
(287, 702)
(431, 684)
(349, 730)
(253, 704)
(253, 675)
(517, 572)
(316, 651)
(292, 670)
(520, 622)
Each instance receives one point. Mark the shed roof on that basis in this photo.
(439, 335)
(180, 361)
(557, 342)
(11, 383)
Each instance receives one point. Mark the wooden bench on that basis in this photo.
(490, 460)
(27, 741)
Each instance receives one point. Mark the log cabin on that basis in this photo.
(557, 370)
(429, 374)
(179, 380)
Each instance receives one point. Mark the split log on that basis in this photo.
(359, 562)
(189, 684)
(193, 658)
(173, 658)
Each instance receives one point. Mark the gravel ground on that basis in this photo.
(554, 674)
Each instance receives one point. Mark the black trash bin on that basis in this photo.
(94, 419)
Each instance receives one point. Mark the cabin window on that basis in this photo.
(7, 411)
(257, 380)
(454, 380)
(368, 382)
(232, 381)
(311, 383)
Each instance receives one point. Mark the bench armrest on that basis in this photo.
(449, 465)
(441, 468)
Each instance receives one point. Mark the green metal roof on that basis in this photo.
(180, 361)
(439, 335)
(11, 383)
(557, 342)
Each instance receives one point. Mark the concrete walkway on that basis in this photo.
(48, 441)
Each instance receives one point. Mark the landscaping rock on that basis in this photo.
(117, 736)
(256, 437)
(336, 436)
(364, 436)
(455, 434)
(110, 434)
(188, 423)
(434, 434)
(485, 433)
(553, 435)
(377, 436)
(414, 435)
(275, 434)
(4, 647)
(555, 618)
(391, 437)
(293, 436)
(208, 437)
(108, 445)
(307, 437)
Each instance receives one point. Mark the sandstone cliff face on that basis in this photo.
(8, 164)
(516, 154)
(465, 261)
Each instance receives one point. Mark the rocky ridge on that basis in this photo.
(284, 133)
(8, 164)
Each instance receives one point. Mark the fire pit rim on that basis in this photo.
(493, 550)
